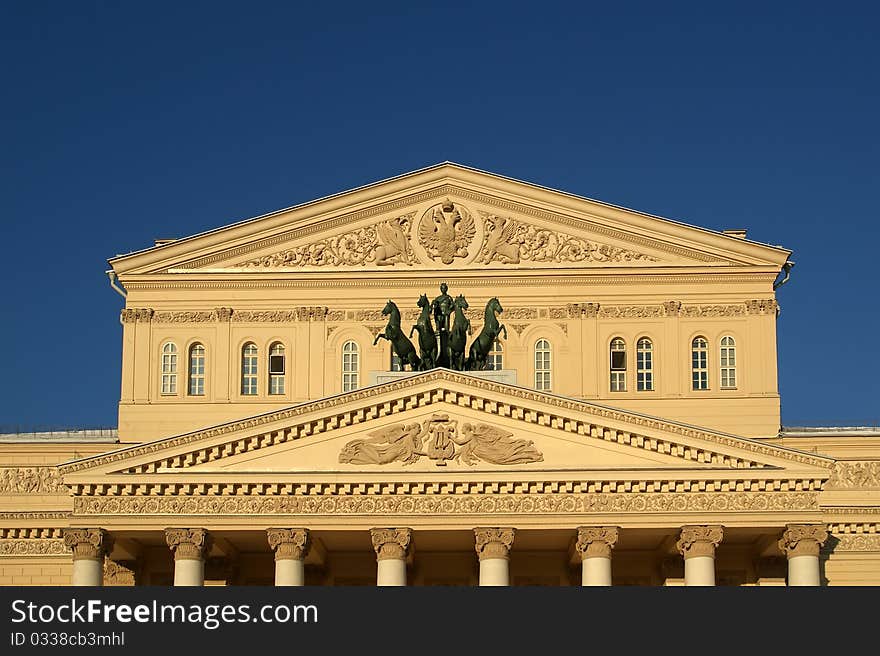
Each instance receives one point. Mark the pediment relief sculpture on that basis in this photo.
(442, 440)
(446, 231)
(508, 241)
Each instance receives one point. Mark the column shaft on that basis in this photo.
(801, 544)
(290, 546)
(88, 547)
(493, 549)
(190, 546)
(697, 544)
(391, 546)
(594, 544)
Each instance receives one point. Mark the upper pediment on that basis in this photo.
(449, 217)
(439, 424)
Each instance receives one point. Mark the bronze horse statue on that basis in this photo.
(461, 328)
(427, 336)
(482, 345)
(399, 342)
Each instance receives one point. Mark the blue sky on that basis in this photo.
(124, 122)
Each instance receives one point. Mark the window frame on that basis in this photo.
(250, 381)
(350, 375)
(544, 373)
(276, 378)
(197, 378)
(727, 353)
(701, 371)
(495, 356)
(617, 374)
(645, 365)
(168, 362)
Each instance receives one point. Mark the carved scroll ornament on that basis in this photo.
(509, 241)
(440, 439)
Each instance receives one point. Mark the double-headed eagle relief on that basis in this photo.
(443, 333)
(442, 440)
(446, 230)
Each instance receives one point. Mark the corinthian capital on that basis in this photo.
(494, 542)
(699, 540)
(803, 539)
(596, 541)
(289, 543)
(391, 543)
(188, 543)
(91, 543)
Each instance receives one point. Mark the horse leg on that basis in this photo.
(378, 337)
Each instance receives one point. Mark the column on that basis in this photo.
(493, 548)
(801, 544)
(594, 544)
(190, 546)
(392, 546)
(89, 546)
(290, 546)
(697, 545)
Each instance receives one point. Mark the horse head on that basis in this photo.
(389, 307)
(461, 303)
(423, 301)
(495, 305)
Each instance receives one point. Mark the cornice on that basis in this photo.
(463, 277)
(520, 407)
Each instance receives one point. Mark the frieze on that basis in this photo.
(509, 241)
(849, 542)
(762, 306)
(185, 317)
(25, 547)
(442, 440)
(280, 316)
(550, 418)
(31, 533)
(132, 315)
(630, 311)
(385, 243)
(691, 311)
(31, 480)
(855, 474)
(449, 504)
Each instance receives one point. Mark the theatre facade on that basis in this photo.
(620, 424)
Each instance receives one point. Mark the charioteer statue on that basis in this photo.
(445, 343)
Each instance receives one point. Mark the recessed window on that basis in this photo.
(495, 358)
(644, 365)
(618, 365)
(169, 368)
(542, 365)
(728, 362)
(249, 370)
(276, 369)
(350, 366)
(197, 370)
(700, 364)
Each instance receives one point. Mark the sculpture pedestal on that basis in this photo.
(506, 376)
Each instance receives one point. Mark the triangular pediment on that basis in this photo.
(443, 423)
(449, 217)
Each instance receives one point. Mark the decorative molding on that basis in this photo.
(691, 311)
(493, 542)
(384, 243)
(803, 539)
(33, 547)
(630, 311)
(289, 543)
(117, 574)
(422, 500)
(304, 313)
(440, 439)
(394, 206)
(31, 480)
(205, 316)
(509, 241)
(762, 306)
(132, 315)
(856, 542)
(35, 516)
(88, 543)
(596, 541)
(699, 541)
(188, 543)
(31, 533)
(558, 417)
(850, 474)
(391, 543)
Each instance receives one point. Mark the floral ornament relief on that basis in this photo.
(509, 241)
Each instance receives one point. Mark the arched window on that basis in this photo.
(169, 368)
(542, 365)
(196, 370)
(728, 362)
(618, 365)
(350, 366)
(276, 368)
(700, 363)
(644, 365)
(249, 370)
(495, 357)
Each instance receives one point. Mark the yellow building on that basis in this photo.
(626, 431)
